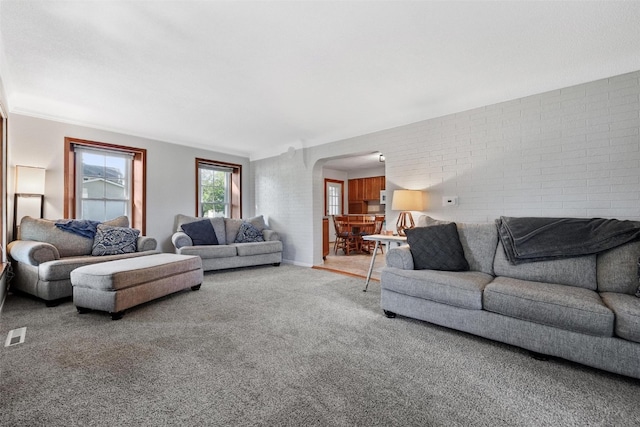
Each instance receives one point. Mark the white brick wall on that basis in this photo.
(569, 152)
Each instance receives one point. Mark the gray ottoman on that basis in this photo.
(115, 286)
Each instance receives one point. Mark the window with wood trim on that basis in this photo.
(218, 189)
(103, 181)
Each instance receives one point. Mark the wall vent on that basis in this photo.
(15, 336)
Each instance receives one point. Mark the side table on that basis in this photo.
(388, 239)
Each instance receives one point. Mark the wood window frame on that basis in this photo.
(236, 185)
(138, 176)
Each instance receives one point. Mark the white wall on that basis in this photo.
(569, 152)
(170, 170)
(3, 189)
(367, 173)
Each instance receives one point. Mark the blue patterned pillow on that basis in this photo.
(111, 240)
(248, 233)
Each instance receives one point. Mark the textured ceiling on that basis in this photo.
(253, 78)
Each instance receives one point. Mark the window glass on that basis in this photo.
(103, 184)
(214, 191)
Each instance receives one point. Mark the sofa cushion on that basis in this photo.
(111, 240)
(457, 288)
(627, 311)
(61, 269)
(436, 247)
(210, 251)
(565, 307)
(426, 220)
(248, 234)
(232, 226)
(257, 222)
(201, 232)
(576, 271)
(618, 269)
(67, 243)
(479, 242)
(258, 248)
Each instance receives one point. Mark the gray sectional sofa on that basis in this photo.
(226, 252)
(582, 309)
(44, 256)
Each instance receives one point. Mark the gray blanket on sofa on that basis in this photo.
(529, 239)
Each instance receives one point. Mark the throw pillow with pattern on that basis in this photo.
(114, 240)
(248, 233)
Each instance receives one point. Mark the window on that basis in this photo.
(104, 181)
(218, 186)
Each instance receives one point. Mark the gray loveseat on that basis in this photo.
(581, 309)
(45, 255)
(227, 253)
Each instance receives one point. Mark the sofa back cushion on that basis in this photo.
(575, 271)
(232, 226)
(479, 242)
(67, 243)
(618, 269)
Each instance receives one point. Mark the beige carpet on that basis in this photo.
(284, 346)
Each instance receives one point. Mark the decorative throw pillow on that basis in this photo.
(201, 232)
(114, 240)
(436, 247)
(248, 233)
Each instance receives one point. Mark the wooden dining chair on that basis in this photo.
(345, 239)
(376, 228)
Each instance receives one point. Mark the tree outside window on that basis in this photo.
(214, 192)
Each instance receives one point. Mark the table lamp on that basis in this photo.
(405, 201)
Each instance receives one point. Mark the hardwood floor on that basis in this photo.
(354, 264)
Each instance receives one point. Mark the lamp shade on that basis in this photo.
(29, 180)
(407, 200)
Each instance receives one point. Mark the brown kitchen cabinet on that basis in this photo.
(357, 207)
(363, 189)
(325, 237)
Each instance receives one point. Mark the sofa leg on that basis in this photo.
(389, 314)
(276, 264)
(117, 316)
(54, 302)
(538, 356)
(83, 310)
(196, 287)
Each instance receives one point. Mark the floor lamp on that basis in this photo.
(28, 199)
(406, 201)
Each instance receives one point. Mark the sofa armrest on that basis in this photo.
(270, 235)
(400, 257)
(32, 252)
(180, 239)
(146, 243)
